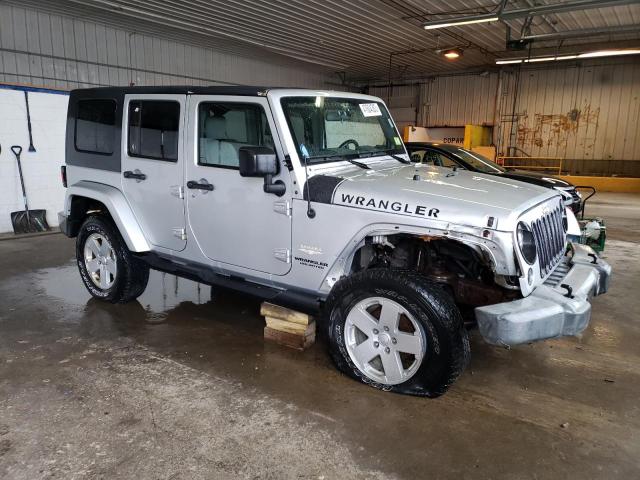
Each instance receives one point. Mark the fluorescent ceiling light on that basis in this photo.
(609, 53)
(596, 54)
(539, 59)
(506, 62)
(460, 22)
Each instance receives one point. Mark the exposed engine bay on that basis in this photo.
(460, 269)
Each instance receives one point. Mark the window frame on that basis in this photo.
(201, 126)
(148, 157)
(115, 123)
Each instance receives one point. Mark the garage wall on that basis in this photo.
(41, 169)
(586, 113)
(59, 52)
(45, 49)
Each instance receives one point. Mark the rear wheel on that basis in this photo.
(108, 269)
(396, 331)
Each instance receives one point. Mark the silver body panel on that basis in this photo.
(238, 230)
(156, 201)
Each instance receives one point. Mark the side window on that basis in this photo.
(418, 156)
(438, 159)
(225, 127)
(153, 129)
(95, 126)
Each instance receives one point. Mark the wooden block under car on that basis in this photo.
(299, 342)
(290, 327)
(282, 313)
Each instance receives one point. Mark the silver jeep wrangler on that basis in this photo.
(308, 199)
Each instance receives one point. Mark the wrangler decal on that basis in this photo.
(388, 205)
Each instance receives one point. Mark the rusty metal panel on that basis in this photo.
(587, 114)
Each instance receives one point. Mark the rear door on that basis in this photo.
(153, 166)
(234, 221)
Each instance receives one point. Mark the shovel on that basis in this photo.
(27, 221)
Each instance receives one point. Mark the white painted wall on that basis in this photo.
(41, 168)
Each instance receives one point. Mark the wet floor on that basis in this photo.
(181, 385)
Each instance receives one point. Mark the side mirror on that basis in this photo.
(261, 162)
(257, 161)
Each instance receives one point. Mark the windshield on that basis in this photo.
(329, 129)
(477, 161)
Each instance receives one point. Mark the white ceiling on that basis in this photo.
(351, 36)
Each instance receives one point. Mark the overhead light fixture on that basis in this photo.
(452, 53)
(608, 53)
(595, 54)
(446, 24)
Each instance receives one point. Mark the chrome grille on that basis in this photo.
(549, 234)
(557, 275)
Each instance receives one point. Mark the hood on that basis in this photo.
(537, 178)
(434, 193)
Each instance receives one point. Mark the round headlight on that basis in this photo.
(526, 243)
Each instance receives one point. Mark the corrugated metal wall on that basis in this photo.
(585, 114)
(588, 113)
(56, 51)
(459, 100)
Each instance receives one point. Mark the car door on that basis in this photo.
(233, 220)
(153, 166)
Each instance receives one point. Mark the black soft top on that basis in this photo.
(238, 90)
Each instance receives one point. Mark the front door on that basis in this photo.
(153, 166)
(233, 220)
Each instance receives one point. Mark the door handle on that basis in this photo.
(138, 175)
(192, 184)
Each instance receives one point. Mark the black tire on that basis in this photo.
(132, 274)
(447, 350)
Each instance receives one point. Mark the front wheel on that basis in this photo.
(396, 331)
(108, 269)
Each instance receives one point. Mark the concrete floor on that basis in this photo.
(180, 385)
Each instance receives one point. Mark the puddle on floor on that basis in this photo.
(163, 293)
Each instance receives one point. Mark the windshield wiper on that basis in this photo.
(396, 157)
(386, 152)
(357, 163)
(348, 158)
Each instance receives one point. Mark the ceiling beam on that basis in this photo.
(583, 32)
(502, 14)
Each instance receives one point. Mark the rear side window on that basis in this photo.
(95, 126)
(153, 129)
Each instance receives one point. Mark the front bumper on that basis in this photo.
(548, 312)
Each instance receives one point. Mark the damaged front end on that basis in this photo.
(558, 307)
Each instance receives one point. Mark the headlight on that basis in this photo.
(526, 243)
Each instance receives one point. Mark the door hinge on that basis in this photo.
(177, 191)
(181, 233)
(283, 208)
(282, 254)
